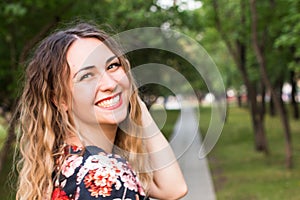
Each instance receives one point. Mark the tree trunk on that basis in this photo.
(239, 99)
(239, 57)
(293, 95)
(279, 94)
(258, 122)
(272, 107)
(260, 139)
(262, 67)
(263, 100)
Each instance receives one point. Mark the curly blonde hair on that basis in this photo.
(44, 124)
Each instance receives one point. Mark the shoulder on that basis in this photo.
(94, 173)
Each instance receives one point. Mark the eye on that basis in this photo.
(114, 66)
(85, 76)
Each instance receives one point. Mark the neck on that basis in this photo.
(102, 136)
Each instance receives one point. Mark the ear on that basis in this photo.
(64, 106)
(60, 106)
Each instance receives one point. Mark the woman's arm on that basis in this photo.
(168, 181)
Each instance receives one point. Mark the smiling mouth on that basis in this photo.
(110, 102)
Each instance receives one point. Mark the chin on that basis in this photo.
(112, 119)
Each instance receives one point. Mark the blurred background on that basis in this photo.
(255, 45)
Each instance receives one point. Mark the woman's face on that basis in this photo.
(99, 85)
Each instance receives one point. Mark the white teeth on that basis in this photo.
(109, 102)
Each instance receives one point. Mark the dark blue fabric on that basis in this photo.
(83, 170)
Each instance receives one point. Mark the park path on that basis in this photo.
(186, 142)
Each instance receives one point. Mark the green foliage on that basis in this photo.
(290, 31)
(239, 172)
(25, 22)
(216, 48)
(168, 117)
(21, 31)
(8, 180)
(277, 28)
(224, 31)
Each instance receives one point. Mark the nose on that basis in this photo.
(107, 83)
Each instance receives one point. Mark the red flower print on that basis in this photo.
(77, 193)
(141, 190)
(98, 183)
(70, 164)
(76, 148)
(59, 194)
(129, 181)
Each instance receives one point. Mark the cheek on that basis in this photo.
(125, 83)
(83, 94)
(122, 79)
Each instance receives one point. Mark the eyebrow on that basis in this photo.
(110, 59)
(92, 66)
(84, 68)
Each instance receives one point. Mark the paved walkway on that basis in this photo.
(185, 142)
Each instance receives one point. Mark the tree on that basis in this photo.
(21, 31)
(267, 59)
(16, 45)
(236, 40)
(289, 40)
(258, 45)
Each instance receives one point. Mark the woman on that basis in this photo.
(85, 133)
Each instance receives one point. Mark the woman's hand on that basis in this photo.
(168, 181)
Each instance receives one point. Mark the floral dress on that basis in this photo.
(91, 173)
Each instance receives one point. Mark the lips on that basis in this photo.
(110, 102)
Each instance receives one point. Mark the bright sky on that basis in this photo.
(183, 4)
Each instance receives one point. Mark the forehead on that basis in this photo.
(87, 51)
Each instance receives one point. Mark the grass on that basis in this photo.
(238, 171)
(7, 187)
(2, 132)
(241, 173)
(6, 182)
(165, 120)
